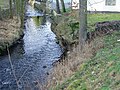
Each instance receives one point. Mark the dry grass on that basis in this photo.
(9, 32)
(71, 64)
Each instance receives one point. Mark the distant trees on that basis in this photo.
(83, 22)
(17, 7)
(22, 9)
(58, 7)
(63, 5)
(11, 10)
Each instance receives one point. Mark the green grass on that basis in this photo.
(102, 72)
(93, 18)
(97, 17)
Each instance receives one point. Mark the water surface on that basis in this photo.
(33, 58)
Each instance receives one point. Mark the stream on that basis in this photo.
(32, 59)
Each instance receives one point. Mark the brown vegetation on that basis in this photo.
(72, 62)
(10, 32)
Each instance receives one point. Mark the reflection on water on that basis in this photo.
(37, 37)
(38, 20)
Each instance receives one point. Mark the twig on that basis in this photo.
(23, 74)
(17, 81)
(13, 71)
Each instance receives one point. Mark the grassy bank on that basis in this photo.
(98, 71)
(101, 72)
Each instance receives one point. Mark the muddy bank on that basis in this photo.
(10, 33)
(66, 30)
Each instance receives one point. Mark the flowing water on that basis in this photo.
(33, 58)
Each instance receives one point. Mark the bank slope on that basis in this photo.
(102, 72)
(10, 32)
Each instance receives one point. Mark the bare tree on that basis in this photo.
(63, 5)
(58, 7)
(83, 23)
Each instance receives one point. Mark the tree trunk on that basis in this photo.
(63, 5)
(11, 11)
(83, 23)
(22, 12)
(18, 6)
(58, 7)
